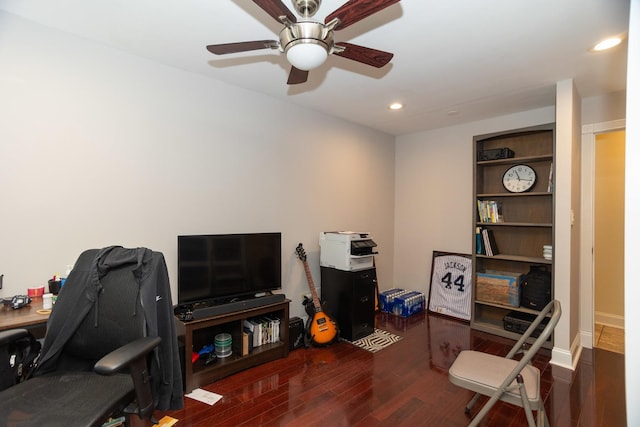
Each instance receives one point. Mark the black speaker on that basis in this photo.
(296, 333)
(495, 154)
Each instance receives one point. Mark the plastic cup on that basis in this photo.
(47, 301)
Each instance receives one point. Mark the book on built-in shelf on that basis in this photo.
(479, 244)
(485, 241)
(482, 211)
(550, 185)
(490, 211)
(490, 246)
(493, 244)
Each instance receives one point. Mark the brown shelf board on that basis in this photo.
(229, 317)
(516, 160)
(507, 307)
(203, 375)
(530, 194)
(517, 258)
(487, 325)
(496, 305)
(237, 358)
(515, 224)
(499, 330)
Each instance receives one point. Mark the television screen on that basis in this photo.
(219, 268)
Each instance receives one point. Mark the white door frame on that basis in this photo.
(587, 290)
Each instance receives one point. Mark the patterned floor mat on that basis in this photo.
(378, 340)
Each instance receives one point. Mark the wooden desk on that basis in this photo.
(25, 317)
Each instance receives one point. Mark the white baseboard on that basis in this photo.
(586, 339)
(609, 319)
(567, 359)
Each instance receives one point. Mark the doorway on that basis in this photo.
(608, 241)
(588, 334)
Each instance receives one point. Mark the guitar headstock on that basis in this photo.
(301, 253)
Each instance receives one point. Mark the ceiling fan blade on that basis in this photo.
(276, 9)
(356, 10)
(375, 58)
(222, 49)
(297, 76)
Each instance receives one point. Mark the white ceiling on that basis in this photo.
(479, 58)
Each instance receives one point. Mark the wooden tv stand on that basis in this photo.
(196, 334)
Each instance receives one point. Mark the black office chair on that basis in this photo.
(19, 352)
(102, 355)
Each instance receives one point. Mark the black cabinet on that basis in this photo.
(350, 300)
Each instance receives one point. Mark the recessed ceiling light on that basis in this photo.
(607, 44)
(396, 106)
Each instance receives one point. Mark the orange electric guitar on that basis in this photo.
(321, 329)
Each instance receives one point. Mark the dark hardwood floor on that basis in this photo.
(405, 384)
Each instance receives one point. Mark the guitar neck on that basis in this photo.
(312, 287)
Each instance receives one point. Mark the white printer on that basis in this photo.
(346, 250)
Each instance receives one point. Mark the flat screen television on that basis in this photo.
(221, 268)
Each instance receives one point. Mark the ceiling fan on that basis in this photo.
(307, 43)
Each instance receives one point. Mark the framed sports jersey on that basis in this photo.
(450, 288)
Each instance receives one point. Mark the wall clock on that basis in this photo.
(519, 178)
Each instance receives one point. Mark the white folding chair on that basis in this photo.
(503, 378)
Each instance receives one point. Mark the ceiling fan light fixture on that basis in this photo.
(306, 44)
(307, 55)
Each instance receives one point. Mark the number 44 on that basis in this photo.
(459, 281)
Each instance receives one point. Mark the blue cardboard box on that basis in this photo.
(386, 298)
(500, 289)
(408, 304)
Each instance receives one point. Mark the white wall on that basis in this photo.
(632, 224)
(98, 147)
(605, 108)
(567, 347)
(434, 204)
